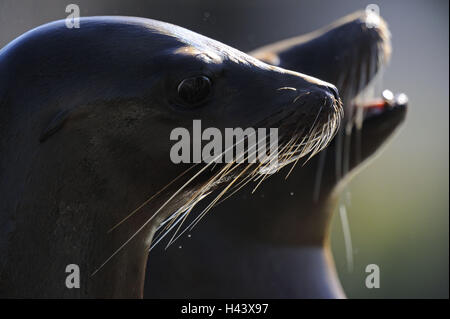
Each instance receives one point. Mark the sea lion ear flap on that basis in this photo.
(55, 125)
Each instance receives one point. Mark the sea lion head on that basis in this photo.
(88, 142)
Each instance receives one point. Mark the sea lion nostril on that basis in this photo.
(334, 91)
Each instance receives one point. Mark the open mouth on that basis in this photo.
(387, 106)
(388, 102)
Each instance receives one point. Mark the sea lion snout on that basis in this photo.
(334, 91)
(317, 100)
(325, 98)
(321, 93)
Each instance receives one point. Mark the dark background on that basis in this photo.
(400, 205)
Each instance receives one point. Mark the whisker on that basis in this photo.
(148, 200)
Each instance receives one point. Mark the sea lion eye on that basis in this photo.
(194, 90)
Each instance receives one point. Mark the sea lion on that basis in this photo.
(84, 140)
(276, 245)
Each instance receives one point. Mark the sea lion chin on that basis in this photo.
(86, 119)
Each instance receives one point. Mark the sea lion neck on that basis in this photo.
(62, 208)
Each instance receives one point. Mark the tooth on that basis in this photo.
(388, 96)
(401, 99)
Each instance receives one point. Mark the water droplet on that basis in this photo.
(206, 16)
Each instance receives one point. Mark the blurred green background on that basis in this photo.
(400, 203)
